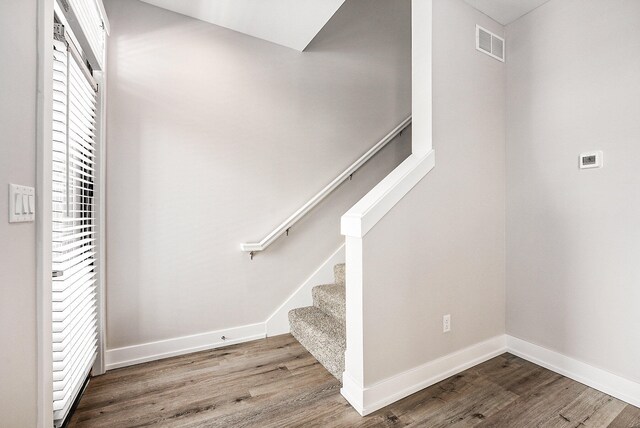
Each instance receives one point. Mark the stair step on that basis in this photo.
(339, 273)
(330, 299)
(322, 335)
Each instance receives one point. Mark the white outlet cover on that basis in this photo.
(446, 323)
(22, 201)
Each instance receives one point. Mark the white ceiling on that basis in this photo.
(505, 11)
(291, 23)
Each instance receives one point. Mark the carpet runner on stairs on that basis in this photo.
(321, 328)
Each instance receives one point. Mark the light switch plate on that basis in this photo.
(21, 204)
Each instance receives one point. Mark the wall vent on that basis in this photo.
(489, 43)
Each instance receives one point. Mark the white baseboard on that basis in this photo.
(381, 394)
(136, 354)
(390, 390)
(369, 399)
(353, 393)
(278, 322)
(602, 380)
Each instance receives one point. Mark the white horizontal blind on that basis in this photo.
(74, 230)
(90, 22)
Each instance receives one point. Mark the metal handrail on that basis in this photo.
(253, 247)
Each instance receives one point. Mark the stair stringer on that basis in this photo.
(278, 321)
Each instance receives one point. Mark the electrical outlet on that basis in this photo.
(446, 323)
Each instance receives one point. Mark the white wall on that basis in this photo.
(573, 241)
(216, 137)
(440, 250)
(17, 241)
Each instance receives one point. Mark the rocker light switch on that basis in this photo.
(17, 204)
(21, 203)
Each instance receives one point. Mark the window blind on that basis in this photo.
(74, 297)
(90, 22)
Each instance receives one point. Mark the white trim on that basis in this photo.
(602, 380)
(71, 19)
(278, 322)
(105, 20)
(421, 80)
(390, 390)
(369, 210)
(353, 376)
(136, 354)
(43, 214)
(321, 195)
(352, 391)
(99, 365)
(371, 398)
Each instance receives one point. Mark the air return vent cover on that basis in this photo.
(489, 43)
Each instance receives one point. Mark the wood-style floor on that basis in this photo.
(275, 382)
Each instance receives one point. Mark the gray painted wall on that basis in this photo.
(573, 241)
(216, 137)
(17, 241)
(441, 249)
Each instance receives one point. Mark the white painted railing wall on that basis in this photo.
(363, 216)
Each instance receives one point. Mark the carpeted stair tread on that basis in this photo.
(322, 335)
(330, 299)
(339, 273)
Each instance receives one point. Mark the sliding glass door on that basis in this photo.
(74, 299)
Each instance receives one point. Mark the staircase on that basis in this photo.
(321, 328)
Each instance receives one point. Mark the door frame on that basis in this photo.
(44, 147)
(99, 367)
(43, 213)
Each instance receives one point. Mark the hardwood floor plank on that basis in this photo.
(628, 418)
(480, 401)
(590, 409)
(275, 383)
(534, 407)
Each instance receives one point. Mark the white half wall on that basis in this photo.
(573, 241)
(438, 248)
